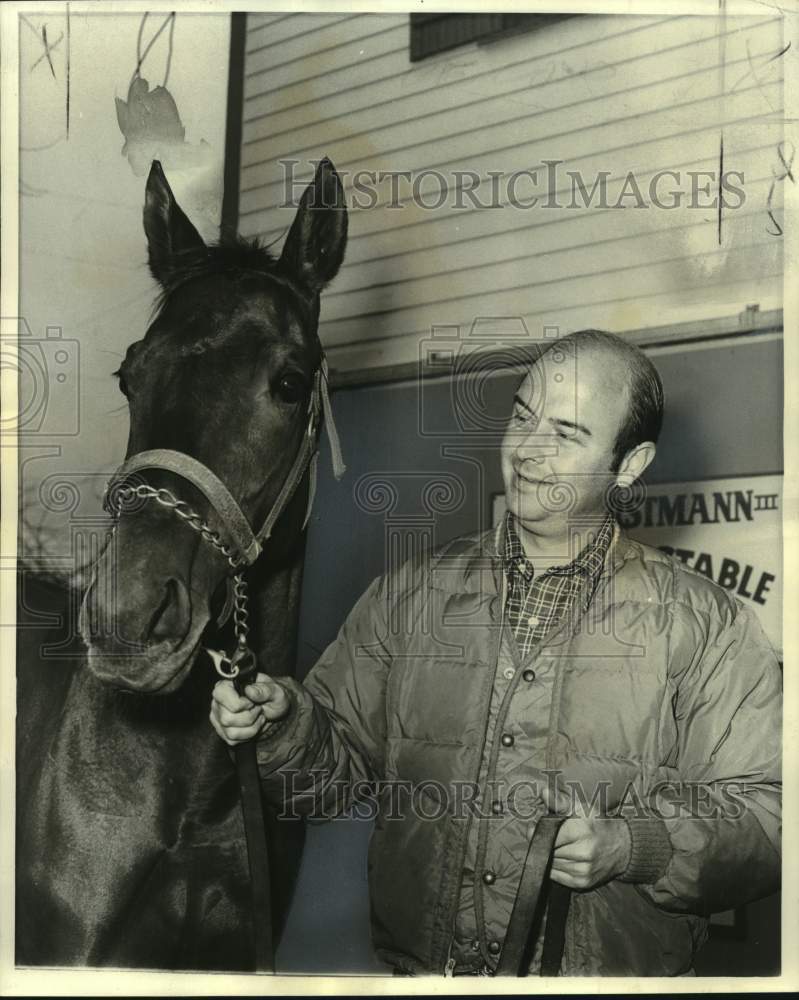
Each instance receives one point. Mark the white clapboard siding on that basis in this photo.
(513, 91)
(344, 32)
(385, 231)
(264, 33)
(604, 95)
(616, 126)
(312, 104)
(360, 39)
(524, 282)
(628, 144)
(542, 244)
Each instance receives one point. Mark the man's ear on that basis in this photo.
(635, 463)
(314, 247)
(170, 235)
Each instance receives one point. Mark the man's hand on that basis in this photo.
(238, 718)
(589, 850)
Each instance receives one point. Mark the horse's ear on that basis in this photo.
(314, 247)
(169, 232)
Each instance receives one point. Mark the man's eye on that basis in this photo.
(290, 388)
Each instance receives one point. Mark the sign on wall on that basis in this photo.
(729, 530)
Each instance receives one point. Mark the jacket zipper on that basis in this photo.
(449, 965)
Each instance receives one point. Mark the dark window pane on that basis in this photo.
(432, 33)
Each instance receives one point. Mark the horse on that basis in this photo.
(130, 848)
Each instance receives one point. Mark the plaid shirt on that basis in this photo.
(535, 604)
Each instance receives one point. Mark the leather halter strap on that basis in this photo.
(536, 892)
(240, 534)
(237, 526)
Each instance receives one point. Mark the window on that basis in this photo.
(432, 33)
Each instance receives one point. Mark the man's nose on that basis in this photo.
(534, 448)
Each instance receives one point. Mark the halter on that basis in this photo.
(241, 545)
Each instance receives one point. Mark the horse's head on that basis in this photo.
(224, 375)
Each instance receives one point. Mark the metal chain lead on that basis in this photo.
(182, 509)
(241, 615)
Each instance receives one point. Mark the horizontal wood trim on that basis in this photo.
(549, 295)
(747, 324)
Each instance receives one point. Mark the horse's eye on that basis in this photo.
(290, 388)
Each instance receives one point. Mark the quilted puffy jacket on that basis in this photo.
(665, 679)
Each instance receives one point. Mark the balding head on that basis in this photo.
(627, 369)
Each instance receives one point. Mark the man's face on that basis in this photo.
(557, 452)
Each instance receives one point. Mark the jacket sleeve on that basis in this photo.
(331, 746)
(721, 807)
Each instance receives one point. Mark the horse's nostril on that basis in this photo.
(171, 618)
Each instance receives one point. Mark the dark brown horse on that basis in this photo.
(130, 844)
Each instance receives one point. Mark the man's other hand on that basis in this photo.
(238, 718)
(590, 852)
(589, 849)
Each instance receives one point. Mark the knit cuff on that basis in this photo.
(650, 849)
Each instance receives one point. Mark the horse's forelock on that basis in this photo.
(233, 257)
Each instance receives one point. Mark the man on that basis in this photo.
(552, 664)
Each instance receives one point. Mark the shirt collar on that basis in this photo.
(588, 562)
(513, 551)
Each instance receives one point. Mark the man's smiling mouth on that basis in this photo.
(525, 479)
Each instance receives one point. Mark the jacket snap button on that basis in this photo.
(495, 947)
(507, 740)
(489, 878)
(529, 675)
(496, 807)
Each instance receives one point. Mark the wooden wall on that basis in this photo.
(612, 94)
